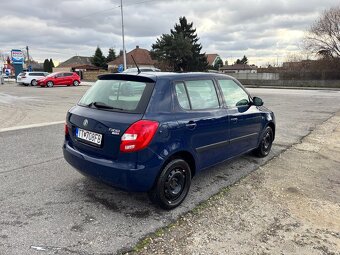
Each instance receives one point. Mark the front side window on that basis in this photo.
(234, 95)
(116, 95)
(197, 95)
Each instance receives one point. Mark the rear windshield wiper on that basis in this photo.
(103, 106)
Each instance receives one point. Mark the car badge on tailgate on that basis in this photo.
(114, 131)
(85, 122)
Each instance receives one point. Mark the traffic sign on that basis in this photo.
(120, 68)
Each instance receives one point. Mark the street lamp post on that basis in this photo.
(124, 52)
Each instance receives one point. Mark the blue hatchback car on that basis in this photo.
(152, 132)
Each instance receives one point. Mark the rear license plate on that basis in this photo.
(89, 136)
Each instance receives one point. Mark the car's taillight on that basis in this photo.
(23, 77)
(66, 129)
(138, 135)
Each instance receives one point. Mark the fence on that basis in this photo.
(92, 75)
(293, 83)
(255, 76)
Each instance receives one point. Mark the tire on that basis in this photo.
(265, 143)
(76, 83)
(172, 185)
(34, 82)
(50, 84)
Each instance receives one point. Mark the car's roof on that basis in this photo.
(165, 75)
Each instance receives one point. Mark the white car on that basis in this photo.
(142, 69)
(1, 78)
(32, 78)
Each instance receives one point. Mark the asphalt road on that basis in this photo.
(46, 207)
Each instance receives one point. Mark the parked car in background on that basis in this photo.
(30, 78)
(153, 132)
(142, 69)
(60, 78)
(1, 78)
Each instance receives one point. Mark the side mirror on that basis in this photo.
(257, 101)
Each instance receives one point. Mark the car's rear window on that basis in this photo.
(118, 95)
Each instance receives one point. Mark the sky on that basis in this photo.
(266, 31)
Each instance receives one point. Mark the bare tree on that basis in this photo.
(323, 38)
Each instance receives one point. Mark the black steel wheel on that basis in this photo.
(172, 186)
(265, 144)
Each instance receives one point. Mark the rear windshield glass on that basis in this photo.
(118, 95)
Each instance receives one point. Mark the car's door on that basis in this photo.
(202, 120)
(244, 117)
(58, 79)
(68, 78)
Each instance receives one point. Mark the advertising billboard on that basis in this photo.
(17, 57)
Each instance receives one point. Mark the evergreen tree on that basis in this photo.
(47, 66)
(98, 58)
(51, 64)
(243, 61)
(180, 49)
(111, 56)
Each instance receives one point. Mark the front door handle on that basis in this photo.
(191, 125)
(233, 120)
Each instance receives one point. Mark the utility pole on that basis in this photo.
(28, 58)
(124, 52)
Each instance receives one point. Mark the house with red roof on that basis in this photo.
(141, 56)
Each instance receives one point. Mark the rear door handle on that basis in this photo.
(233, 120)
(191, 125)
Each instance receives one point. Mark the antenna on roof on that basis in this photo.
(136, 64)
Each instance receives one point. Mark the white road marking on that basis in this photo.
(31, 126)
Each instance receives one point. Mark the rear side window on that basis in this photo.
(68, 74)
(119, 95)
(182, 96)
(197, 95)
(234, 95)
(36, 74)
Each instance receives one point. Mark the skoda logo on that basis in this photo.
(85, 122)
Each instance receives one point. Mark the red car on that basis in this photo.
(60, 78)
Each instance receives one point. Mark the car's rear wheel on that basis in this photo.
(75, 83)
(49, 84)
(172, 186)
(34, 82)
(265, 144)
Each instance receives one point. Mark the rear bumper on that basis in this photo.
(125, 175)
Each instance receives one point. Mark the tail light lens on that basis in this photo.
(66, 129)
(138, 135)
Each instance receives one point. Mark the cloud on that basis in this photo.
(261, 29)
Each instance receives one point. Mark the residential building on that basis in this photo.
(212, 59)
(239, 68)
(76, 63)
(141, 56)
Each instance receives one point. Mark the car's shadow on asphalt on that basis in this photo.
(137, 205)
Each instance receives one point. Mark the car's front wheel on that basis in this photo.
(34, 82)
(265, 144)
(49, 84)
(172, 186)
